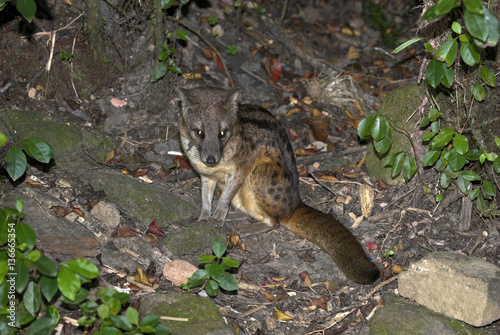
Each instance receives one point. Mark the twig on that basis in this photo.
(43, 33)
(378, 287)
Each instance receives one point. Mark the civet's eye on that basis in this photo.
(199, 133)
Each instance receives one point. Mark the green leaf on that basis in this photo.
(435, 126)
(206, 258)
(434, 114)
(473, 194)
(48, 287)
(442, 139)
(475, 6)
(384, 144)
(365, 126)
(199, 277)
(470, 53)
(496, 165)
(455, 26)
(3, 138)
(25, 234)
(182, 34)
(83, 267)
(497, 141)
(493, 32)
(231, 262)
(480, 204)
(476, 25)
(439, 197)
(162, 56)
(488, 76)
(489, 189)
(435, 72)
(212, 288)
(41, 326)
(103, 311)
(445, 6)
(33, 255)
(380, 128)
(27, 8)
(470, 175)
(216, 272)
(68, 282)
(461, 144)
(430, 13)
(448, 77)
(456, 160)
(431, 157)
(46, 266)
(159, 71)
(424, 122)
(162, 330)
(165, 4)
(132, 315)
(406, 44)
(149, 320)
(445, 180)
(429, 47)
(121, 322)
(447, 52)
(32, 298)
(409, 167)
(478, 92)
(397, 164)
(22, 275)
(426, 189)
(440, 165)
(175, 69)
(228, 283)
(110, 330)
(473, 154)
(38, 149)
(219, 247)
(107, 294)
(15, 162)
(428, 136)
(463, 184)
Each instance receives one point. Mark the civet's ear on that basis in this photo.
(232, 99)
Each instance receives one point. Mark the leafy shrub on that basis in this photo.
(30, 283)
(449, 151)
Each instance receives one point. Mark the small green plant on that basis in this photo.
(388, 253)
(231, 49)
(212, 20)
(106, 317)
(165, 59)
(31, 283)
(214, 274)
(449, 152)
(66, 56)
(15, 159)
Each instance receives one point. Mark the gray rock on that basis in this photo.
(202, 315)
(462, 287)
(402, 317)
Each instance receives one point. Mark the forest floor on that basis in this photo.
(284, 67)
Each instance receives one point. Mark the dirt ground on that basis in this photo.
(352, 39)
